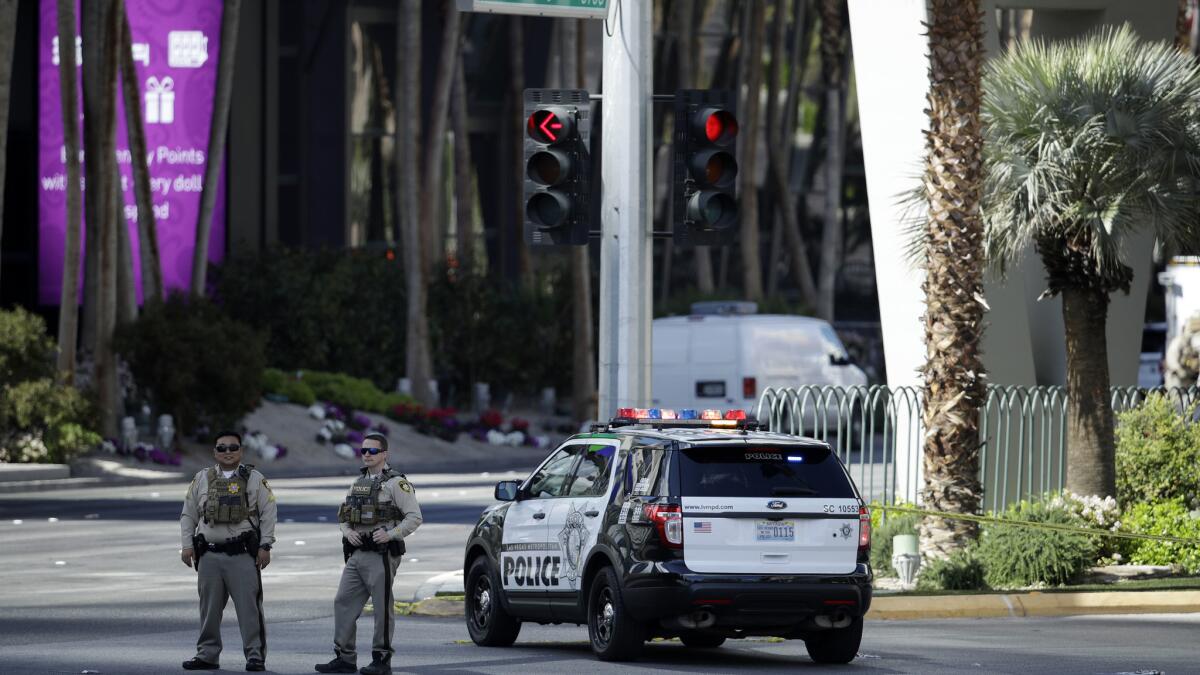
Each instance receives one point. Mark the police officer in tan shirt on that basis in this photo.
(228, 528)
(379, 512)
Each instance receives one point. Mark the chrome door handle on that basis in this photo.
(591, 514)
(539, 515)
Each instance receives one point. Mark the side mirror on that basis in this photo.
(506, 490)
(840, 360)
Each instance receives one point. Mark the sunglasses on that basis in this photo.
(228, 448)
(372, 451)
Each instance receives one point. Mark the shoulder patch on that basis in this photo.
(404, 485)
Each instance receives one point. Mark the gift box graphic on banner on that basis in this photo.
(160, 100)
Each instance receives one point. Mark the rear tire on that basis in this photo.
(702, 640)
(837, 645)
(615, 635)
(487, 622)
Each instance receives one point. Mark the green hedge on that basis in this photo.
(40, 419)
(1171, 518)
(287, 385)
(962, 571)
(1016, 556)
(345, 312)
(193, 361)
(1158, 452)
(336, 311)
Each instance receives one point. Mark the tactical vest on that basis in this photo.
(228, 498)
(362, 506)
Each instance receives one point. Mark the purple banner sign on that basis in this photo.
(176, 44)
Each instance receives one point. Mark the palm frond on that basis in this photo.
(1090, 140)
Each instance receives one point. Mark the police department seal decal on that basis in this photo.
(846, 529)
(233, 488)
(571, 539)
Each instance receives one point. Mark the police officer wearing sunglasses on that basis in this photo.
(228, 527)
(379, 512)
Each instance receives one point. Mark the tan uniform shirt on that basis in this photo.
(399, 492)
(259, 496)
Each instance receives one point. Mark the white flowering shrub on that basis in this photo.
(1093, 512)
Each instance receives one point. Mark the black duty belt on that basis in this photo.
(235, 547)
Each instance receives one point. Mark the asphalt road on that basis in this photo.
(90, 581)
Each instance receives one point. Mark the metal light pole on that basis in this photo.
(626, 263)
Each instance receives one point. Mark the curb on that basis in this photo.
(10, 487)
(1014, 605)
(1033, 603)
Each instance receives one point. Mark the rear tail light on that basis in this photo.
(749, 387)
(864, 531)
(668, 520)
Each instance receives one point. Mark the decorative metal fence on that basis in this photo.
(877, 431)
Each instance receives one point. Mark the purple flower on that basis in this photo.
(175, 459)
(381, 428)
(140, 453)
(157, 456)
(360, 421)
(354, 437)
(282, 452)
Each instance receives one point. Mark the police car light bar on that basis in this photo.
(665, 417)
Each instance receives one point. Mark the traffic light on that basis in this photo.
(705, 170)
(557, 166)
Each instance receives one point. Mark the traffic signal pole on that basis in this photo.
(626, 262)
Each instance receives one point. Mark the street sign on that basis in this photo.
(570, 9)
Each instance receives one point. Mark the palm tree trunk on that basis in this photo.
(101, 26)
(778, 166)
(747, 168)
(126, 287)
(464, 173)
(435, 183)
(8, 32)
(517, 133)
(217, 133)
(954, 386)
(418, 360)
(68, 313)
(832, 50)
(152, 283)
(1090, 444)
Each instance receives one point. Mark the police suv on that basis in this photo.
(664, 525)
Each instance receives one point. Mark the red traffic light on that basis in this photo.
(719, 126)
(549, 125)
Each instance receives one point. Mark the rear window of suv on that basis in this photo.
(762, 471)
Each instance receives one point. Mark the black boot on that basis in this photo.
(337, 665)
(197, 664)
(381, 664)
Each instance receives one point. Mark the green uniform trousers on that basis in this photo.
(220, 578)
(365, 576)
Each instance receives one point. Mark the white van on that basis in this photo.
(723, 355)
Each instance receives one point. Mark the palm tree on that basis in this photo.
(218, 131)
(953, 245)
(152, 283)
(747, 174)
(1087, 142)
(418, 359)
(68, 313)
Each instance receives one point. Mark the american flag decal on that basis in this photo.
(702, 527)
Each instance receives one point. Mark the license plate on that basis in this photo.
(775, 530)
